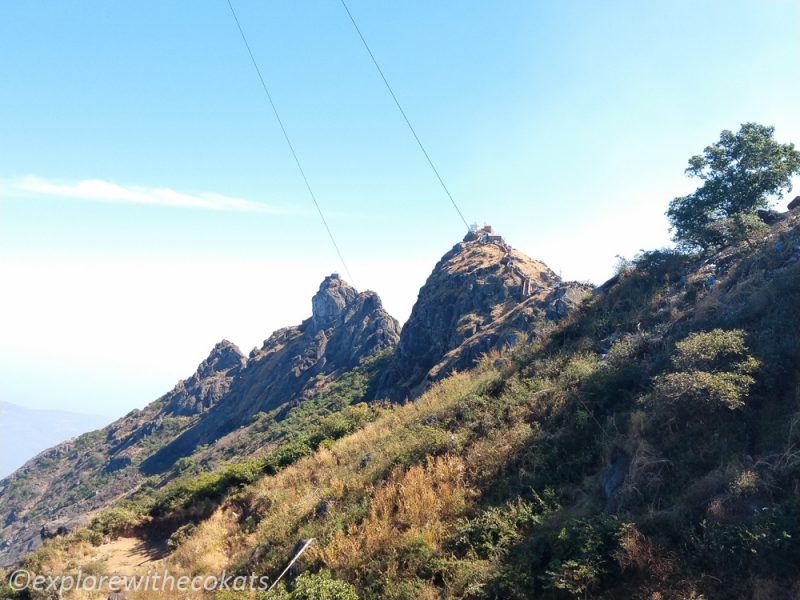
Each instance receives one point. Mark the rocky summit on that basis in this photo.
(209, 383)
(345, 327)
(483, 295)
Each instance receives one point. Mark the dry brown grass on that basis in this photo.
(639, 553)
(284, 503)
(207, 551)
(411, 505)
(647, 474)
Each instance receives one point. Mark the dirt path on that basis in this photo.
(129, 555)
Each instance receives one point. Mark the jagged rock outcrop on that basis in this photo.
(481, 296)
(209, 383)
(330, 301)
(345, 328)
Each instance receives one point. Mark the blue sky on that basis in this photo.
(149, 206)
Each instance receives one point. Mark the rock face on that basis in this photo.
(794, 204)
(209, 383)
(481, 296)
(330, 301)
(345, 328)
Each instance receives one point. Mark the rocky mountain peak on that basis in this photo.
(331, 300)
(209, 383)
(223, 356)
(482, 295)
(345, 328)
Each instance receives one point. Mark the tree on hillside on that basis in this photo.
(741, 173)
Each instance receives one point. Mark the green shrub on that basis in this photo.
(742, 227)
(576, 559)
(766, 542)
(186, 463)
(577, 578)
(582, 555)
(120, 520)
(699, 388)
(180, 535)
(492, 532)
(313, 586)
(213, 486)
(6, 591)
(321, 586)
(288, 454)
(710, 350)
(712, 371)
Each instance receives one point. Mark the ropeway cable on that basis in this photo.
(405, 117)
(289, 143)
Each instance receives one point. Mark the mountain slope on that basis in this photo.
(228, 405)
(482, 296)
(645, 447)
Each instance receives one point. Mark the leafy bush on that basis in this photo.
(700, 388)
(577, 578)
(576, 559)
(766, 541)
(6, 591)
(180, 535)
(711, 350)
(742, 227)
(713, 370)
(313, 586)
(492, 532)
(581, 555)
(120, 520)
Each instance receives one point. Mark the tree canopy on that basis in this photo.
(741, 173)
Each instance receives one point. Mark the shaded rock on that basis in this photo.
(564, 299)
(324, 507)
(48, 532)
(794, 204)
(365, 460)
(258, 554)
(770, 217)
(614, 477)
(11, 517)
(330, 301)
(118, 463)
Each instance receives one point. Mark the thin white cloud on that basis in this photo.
(99, 190)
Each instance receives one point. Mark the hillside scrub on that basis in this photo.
(646, 447)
